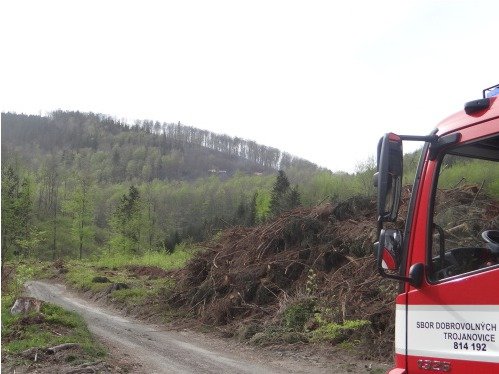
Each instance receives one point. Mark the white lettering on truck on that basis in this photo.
(452, 331)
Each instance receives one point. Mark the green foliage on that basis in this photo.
(68, 194)
(20, 272)
(80, 275)
(262, 206)
(293, 198)
(121, 153)
(325, 184)
(410, 165)
(132, 295)
(139, 273)
(24, 273)
(163, 260)
(282, 196)
(456, 170)
(277, 196)
(364, 177)
(79, 205)
(297, 314)
(337, 332)
(126, 223)
(16, 213)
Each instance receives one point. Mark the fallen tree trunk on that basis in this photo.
(61, 347)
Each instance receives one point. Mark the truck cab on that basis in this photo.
(445, 252)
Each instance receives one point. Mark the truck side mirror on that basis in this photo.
(388, 250)
(388, 178)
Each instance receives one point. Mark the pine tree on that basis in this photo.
(279, 190)
(293, 198)
(126, 222)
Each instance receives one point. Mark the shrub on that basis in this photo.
(337, 332)
(296, 315)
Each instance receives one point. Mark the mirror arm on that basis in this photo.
(384, 274)
(416, 271)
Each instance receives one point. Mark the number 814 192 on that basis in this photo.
(472, 346)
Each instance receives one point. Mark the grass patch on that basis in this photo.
(130, 295)
(52, 326)
(127, 269)
(162, 260)
(117, 268)
(80, 276)
(141, 291)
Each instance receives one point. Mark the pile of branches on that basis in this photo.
(324, 253)
(248, 271)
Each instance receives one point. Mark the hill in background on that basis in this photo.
(90, 183)
(114, 151)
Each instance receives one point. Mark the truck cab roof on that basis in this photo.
(462, 119)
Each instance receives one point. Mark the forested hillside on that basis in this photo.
(113, 151)
(77, 184)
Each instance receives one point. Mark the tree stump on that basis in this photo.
(24, 305)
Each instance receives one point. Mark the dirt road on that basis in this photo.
(154, 349)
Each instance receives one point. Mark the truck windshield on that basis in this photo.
(464, 235)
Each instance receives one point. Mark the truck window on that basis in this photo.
(466, 205)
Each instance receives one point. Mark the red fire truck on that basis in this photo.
(444, 255)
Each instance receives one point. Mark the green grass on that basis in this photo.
(163, 260)
(80, 275)
(51, 327)
(473, 172)
(117, 269)
(141, 291)
(130, 295)
(56, 326)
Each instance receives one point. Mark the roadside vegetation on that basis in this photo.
(133, 283)
(137, 284)
(45, 334)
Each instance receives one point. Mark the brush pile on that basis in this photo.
(324, 254)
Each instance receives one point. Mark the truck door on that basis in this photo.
(453, 317)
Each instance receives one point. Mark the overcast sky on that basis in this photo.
(322, 80)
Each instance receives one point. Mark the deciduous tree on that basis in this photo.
(80, 208)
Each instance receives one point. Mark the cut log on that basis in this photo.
(61, 347)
